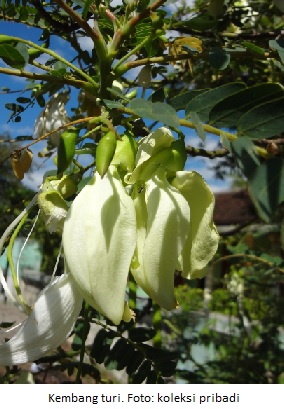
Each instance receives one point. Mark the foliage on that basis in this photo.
(241, 324)
(213, 67)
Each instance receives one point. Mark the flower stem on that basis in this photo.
(11, 262)
(3, 239)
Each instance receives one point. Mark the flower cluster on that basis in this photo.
(151, 220)
(52, 117)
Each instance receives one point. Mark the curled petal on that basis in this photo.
(202, 242)
(153, 143)
(48, 325)
(161, 239)
(99, 241)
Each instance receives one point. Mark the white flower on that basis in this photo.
(175, 229)
(99, 241)
(48, 325)
(163, 217)
(51, 118)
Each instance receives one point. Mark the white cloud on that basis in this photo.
(11, 129)
(86, 43)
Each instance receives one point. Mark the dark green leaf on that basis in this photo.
(112, 104)
(23, 100)
(11, 56)
(86, 8)
(101, 345)
(219, 59)
(252, 47)
(198, 125)
(203, 104)
(200, 23)
(23, 50)
(278, 45)
(81, 330)
(167, 368)
(244, 152)
(135, 361)
(152, 377)
(263, 121)
(228, 111)
(118, 355)
(158, 355)
(158, 96)
(266, 186)
(181, 101)
(157, 111)
(141, 334)
(142, 372)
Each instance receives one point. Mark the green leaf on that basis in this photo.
(278, 45)
(219, 59)
(245, 154)
(198, 125)
(112, 104)
(101, 345)
(81, 328)
(11, 56)
(167, 368)
(142, 372)
(23, 100)
(228, 111)
(266, 186)
(200, 23)
(141, 334)
(23, 50)
(252, 47)
(180, 102)
(203, 104)
(118, 356)
(157, 111)
(86, 8)
(135, 361)
(152, 377)
(263, 121)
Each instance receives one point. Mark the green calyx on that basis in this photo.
(125, 153)
(172, 158)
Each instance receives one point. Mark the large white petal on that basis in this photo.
(99, 241)
(202, 242)
(48, 325)
(168, 218)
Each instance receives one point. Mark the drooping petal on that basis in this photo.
(48, 325)
(152, 150)
(99, 241)
(167, 228)
(202, 242)
(150, 145)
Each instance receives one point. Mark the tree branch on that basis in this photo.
(219, 153)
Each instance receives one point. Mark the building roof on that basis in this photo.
(233, 208)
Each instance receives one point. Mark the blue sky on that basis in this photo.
(34, 178)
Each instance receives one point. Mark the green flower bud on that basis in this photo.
(178, 156)
(66, 149)
(125, 153)
(105, 152)
(66, 186)
(53, 208)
